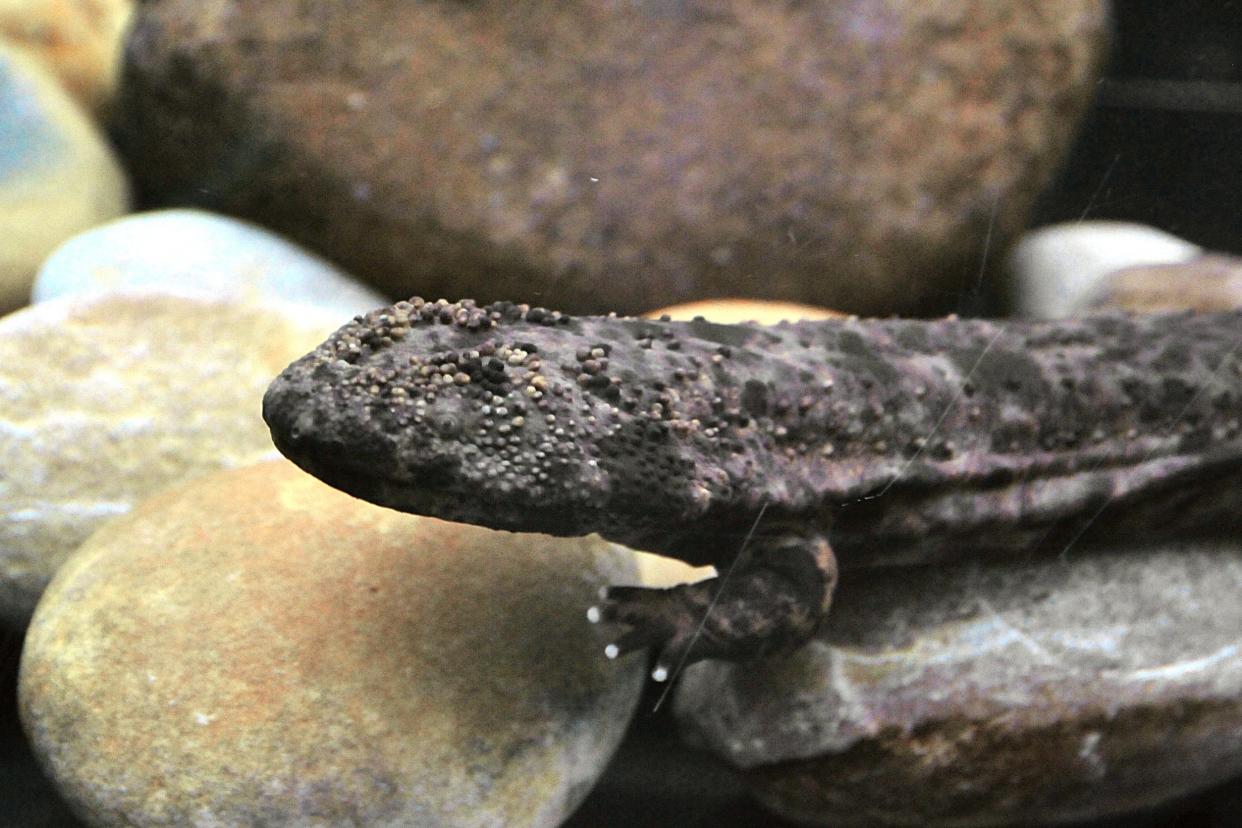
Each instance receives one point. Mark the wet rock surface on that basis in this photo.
(106, 399)
(256, 648)
(1031, 693)
(861, 155)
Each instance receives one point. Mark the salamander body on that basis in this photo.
(898, 441)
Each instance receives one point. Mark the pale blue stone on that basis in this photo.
(201, 253)
(58, 176)
(29, 136)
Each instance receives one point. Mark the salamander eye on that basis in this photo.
(447, 425)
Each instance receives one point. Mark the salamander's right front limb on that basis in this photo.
(771, 602)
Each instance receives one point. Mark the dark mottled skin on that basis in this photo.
(901, 441)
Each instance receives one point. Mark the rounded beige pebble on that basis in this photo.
(106, 399)
(1209, 283)
(257, 648)
(732, 311)
(79, 40)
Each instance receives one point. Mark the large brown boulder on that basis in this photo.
(612, 155)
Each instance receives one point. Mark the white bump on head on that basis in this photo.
(659, 673)
(594, 615)
(603, 593)
(612, 651)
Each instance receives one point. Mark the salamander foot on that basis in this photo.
(770, 604)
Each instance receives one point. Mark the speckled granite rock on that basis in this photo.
(57, 176)
(976, 695)
(79, 40)
(1210, 282)
(191, 250)
(1056, 271)
(861, 155)
(256, 648)
(104, 400)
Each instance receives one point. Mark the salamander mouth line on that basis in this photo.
(411, 495)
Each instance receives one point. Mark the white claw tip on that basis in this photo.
(612, 651)
(659, 674)
(593, 615)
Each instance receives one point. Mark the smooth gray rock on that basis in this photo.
(1049, 690)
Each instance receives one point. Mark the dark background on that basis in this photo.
(1162, 146)
(1163, 143)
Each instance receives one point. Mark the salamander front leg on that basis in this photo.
(772, 602)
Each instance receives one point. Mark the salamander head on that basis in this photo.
(502, 415)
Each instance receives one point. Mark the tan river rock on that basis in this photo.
(79, 40)
(1210, 282)
(108, 398)
(257, 648)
